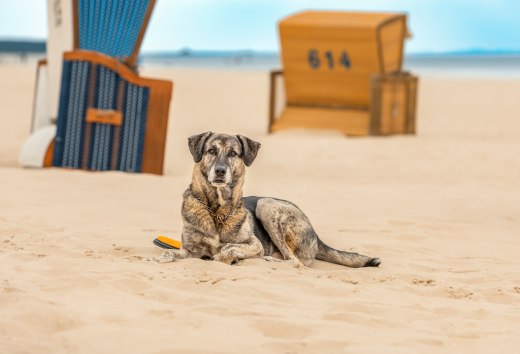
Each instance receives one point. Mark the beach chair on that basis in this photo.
(343, 71)
(110, 118)
(114, 28)
(98, 25)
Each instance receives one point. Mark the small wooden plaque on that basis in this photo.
(104, 116)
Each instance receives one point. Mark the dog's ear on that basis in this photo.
(196, 145)
(249, 149)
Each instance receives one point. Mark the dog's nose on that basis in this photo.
(220, 171)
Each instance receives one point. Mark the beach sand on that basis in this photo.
(441, 209)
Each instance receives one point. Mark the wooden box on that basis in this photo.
(329, 58)
(393, 107)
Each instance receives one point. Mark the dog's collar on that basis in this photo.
(221, 219)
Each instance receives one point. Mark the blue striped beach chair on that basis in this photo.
(112, 27)
(109, 118)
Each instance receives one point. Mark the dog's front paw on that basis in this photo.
(166, 257)
(221, 257)
(296, 263)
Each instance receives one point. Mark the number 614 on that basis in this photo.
(315, 59)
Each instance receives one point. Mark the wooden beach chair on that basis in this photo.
(343, 71)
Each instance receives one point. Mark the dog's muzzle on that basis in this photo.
(219, 175)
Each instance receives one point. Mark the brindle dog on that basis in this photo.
(220, 224)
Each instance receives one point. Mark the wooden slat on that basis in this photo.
(348, 121)
(355, 34)
(393, 112)
(113, 64)
(75, 23)
(49, 155)
(104, 116)
(392, 42)
(272, 97)
(156, 126)
(339, 19)
(353, 91)
(412, 89)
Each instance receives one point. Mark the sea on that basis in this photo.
(471, 64)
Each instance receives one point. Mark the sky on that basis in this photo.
(436, 25)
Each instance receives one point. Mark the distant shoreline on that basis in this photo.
(474, 63)
(14, 47)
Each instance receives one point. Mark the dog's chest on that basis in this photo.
(237, 232)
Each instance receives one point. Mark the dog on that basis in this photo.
(221, 225)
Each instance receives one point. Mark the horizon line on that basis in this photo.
(189, 50)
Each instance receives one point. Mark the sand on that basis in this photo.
(441, 209)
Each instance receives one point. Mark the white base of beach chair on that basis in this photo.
(36, 147)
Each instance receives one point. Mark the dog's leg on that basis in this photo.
(172, 256)
(275, 257)
(280, 236)
(289, 229)
(287, 253)
(234, 252)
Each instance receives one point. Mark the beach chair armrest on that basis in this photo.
(274, 75)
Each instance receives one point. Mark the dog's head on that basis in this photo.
(221, 157)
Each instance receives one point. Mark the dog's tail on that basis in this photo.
(348, 259)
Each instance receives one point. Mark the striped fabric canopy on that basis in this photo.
(111, 27)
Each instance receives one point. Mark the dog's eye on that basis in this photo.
(212, 151)
(232, 154)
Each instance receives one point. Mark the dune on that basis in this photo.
(441, 209)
